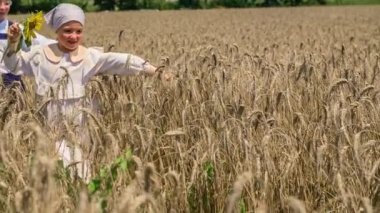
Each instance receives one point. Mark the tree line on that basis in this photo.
(23, 6)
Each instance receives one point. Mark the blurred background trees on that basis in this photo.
(23, 6)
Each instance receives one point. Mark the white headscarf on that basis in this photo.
(64, 13)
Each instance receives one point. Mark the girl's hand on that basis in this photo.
(149, 69)
(14, 33)
(152, 70)
(165, 76)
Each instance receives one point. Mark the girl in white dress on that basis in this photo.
(61, 72)
(8, 78)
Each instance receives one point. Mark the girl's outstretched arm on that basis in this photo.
(124, 64)
(121, 64)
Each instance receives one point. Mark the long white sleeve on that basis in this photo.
(119, 64)
(19, 63)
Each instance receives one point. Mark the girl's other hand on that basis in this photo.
(149, 69)
(164, 75)
(14, 33)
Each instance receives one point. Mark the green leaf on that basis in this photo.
(209, 170)
(19, 45)
(93, 186)
(128, 155)
(118, 160)
(123, 164)
(114, 171)
(242, 207)
(103, 205)
(103, 173)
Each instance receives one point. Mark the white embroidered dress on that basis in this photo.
(65, 75)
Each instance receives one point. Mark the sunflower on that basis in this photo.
(32, 23)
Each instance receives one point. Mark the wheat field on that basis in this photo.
(269, 110)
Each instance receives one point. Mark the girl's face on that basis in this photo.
(69, 36)
(5, 6)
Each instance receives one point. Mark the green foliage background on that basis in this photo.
(24, 6)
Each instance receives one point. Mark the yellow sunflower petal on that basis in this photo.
(31, 24)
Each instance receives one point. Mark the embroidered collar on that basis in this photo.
(54, 54)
